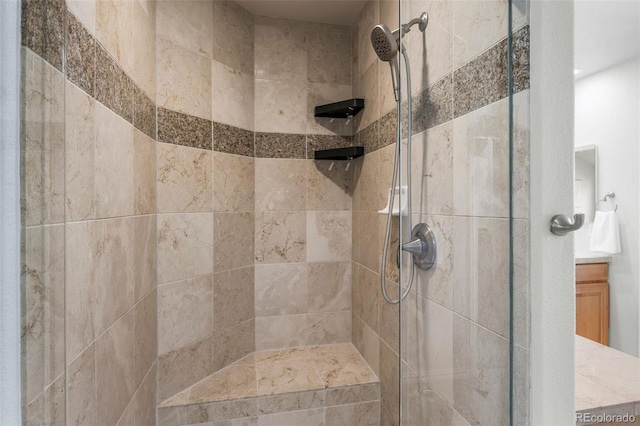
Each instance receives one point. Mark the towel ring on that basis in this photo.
(609, 195)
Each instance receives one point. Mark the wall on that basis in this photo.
(606, 112)
(89, 281)
(455, 334)
(303, 207)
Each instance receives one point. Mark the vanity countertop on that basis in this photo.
(604, 376)
(589, 257)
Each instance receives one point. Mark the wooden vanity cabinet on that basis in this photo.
(592, 302)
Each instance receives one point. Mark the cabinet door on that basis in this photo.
(592, 311)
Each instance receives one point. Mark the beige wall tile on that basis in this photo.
(329, 327)
(329, 286)
(233, 183)
(113, 245)
(233, 297)
(146, 338)
(185, 179)
(232, 96)
(128, 417)
(280, 184)
(85, 11)
(185, 246)
(322, 94)
(184, 80)
(233, 36)
(185, 313)
(283, 331)
(144, 45)
(363, 414)
(144, 173)
(280, 289)
(328, 187)
(187, 24)
(114, 164)
(81, 388)
(521, 150)
(328, 236)
(280, 51)
(366, 86)
(389, 386)
(114, 370)
(313, 417)
(280, 237)
(145, 255)
(437, 284)
(114, 30)
(231, 344)
(181, 368)
(79, 153)
(233, 240)
(278, 104)
(145, 400)
(369, 17)
(328, 57)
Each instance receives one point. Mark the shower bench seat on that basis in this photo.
(327, 385)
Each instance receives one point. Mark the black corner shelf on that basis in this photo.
(342, 109)
(348, 153)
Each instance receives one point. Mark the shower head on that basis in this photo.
(384, 43)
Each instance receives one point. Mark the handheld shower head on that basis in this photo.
(385, 45)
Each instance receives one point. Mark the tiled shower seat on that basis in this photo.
(328, 385)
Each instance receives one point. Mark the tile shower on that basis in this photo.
(176, 226)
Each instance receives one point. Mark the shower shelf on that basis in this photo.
(342, 109)
(348, 153)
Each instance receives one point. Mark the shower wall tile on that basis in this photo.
(185, 312)
(85, 12)
(114, 157)
(184, 80)
(284, 331)
(328, 236)
(366, 87)
(185, 246)
(144, 113)
(145, 400)
(233, 140)
(281, 289)
(81, 387)
(480, 362)
(433, 47)
(328, 187)
(184, 179)
(233, 36)
(114, 30)
(113, 87)
(233, 297)
(182, 129)
(481, 162)
(329, 287)
(329, 58)
(322, 94)
(43, 29)
(280, 184)
(179, 369)
(233, 183)
(233, 343)
(366, 296)
(389, 391)
(366, 413)
(232, 96)
(434, 105)
(280, 49)
(521, 151)
(80, 55)
(481, 276)
(320, 142)
(79, 299)
(521, 69)
(187, 24)
(113, 245)
(146, 337)
(278, 104)
(329, 327)
(280, 145)
(145, 254)
(367, 238)
(368, 18)
(280, 237)
(42, 142)
(491, 69)
(79, 154)
(144, 46)
(115, 370)
(233, 239)
(144, 173)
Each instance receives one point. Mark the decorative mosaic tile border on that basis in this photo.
(281, 145)
(183, 129)
(233, 140)
(43, 29)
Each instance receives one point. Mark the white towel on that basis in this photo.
(605, 235)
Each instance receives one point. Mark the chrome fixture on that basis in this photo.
(609, 195)
(422, 245)
(561, 224)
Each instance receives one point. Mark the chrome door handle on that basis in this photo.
(561, 224)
